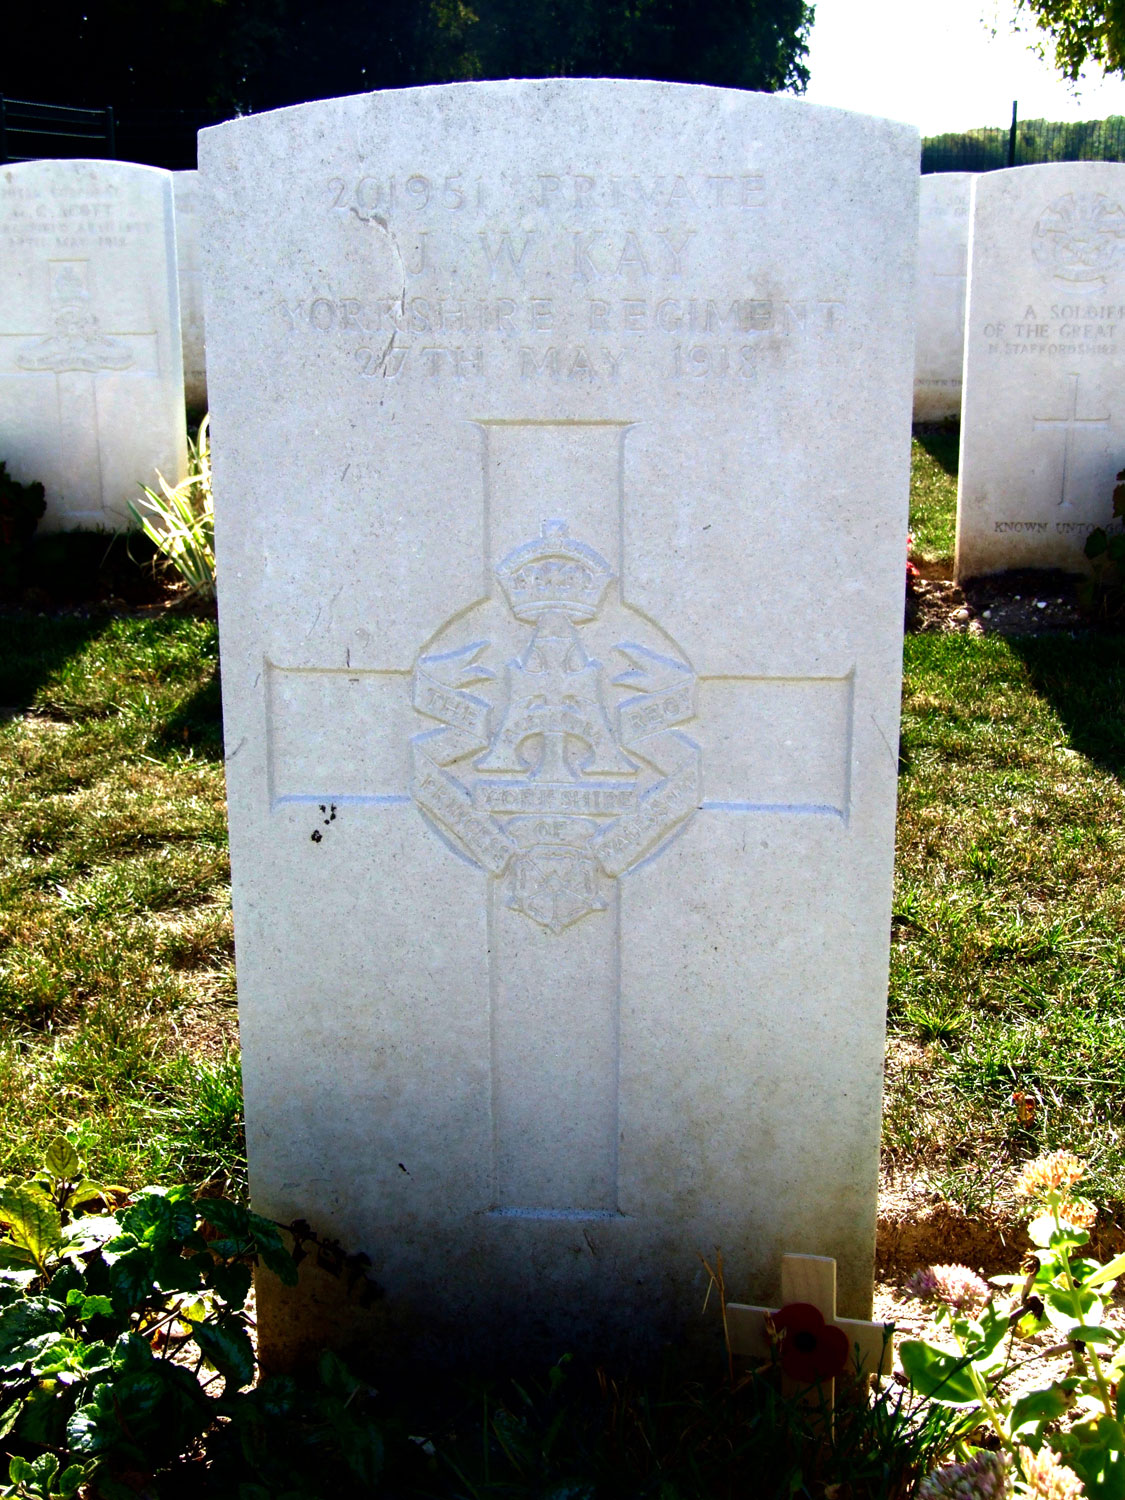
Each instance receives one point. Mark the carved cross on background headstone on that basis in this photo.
(76, 350)
(1071, 424)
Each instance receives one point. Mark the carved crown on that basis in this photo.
(554, 572)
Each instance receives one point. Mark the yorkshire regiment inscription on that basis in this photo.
(545, 771)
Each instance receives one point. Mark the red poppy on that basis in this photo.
(811, 1349)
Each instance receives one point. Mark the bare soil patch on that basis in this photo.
(1028, 601)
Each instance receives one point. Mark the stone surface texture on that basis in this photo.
(1043, 419)
(185, 188)
(91, 374)
(561, 442)
(939, 347)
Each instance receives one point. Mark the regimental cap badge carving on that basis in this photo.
(1080, 237)
(550, 769)
(554, 572)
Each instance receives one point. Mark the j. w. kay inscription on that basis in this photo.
(541, 773)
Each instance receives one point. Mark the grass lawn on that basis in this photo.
(116, 957)
(1008, 956)
(933, 494)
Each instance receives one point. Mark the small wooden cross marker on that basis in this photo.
(809, 1282)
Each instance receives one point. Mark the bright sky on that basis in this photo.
(936, 64)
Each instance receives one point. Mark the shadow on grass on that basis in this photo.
(941, 443)
(33, 650)
(197, 723)
(1084, 682)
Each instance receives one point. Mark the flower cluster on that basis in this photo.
(1048, 1478)
(1078, 1213)
(986, 1476)
(1056, 1173)
(956, 1286)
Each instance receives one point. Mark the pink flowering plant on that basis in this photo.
(1069, 1430)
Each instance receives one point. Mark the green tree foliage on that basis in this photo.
(751, 44)
(242, 55)
(1079, 32)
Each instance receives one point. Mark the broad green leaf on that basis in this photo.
(1094, 1452)
(84, 1235)
(14, 1257)
(10, 1416)
(173, 1272)
(34, 1221)
(21, 1323)
(70, 1480)
(62, 1161)
(228, 1347)
(1109, 1272)
(935, 1373)
(1045, 1233)
(131, 1279)
(1092, 1333)
(159, 1218)
(231, 1281)
(19, 1470)
(85, 1192)
(1062, 1312)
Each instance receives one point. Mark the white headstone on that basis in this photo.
(561, 444)
(191, 290)
(1043, 421)
(939, 349)
(91, 375)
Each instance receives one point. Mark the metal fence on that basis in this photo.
(1025, 143)
(154, 137)
(28, 131)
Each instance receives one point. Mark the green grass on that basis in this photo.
(1008, 950)
(933, 494)
(116, 959)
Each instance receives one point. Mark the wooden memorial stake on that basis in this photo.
(811, 1280)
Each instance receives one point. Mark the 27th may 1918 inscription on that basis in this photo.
(565, 300)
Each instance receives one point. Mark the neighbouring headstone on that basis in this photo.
(939, 349)
(191, 290)
(561, 436)
(1043, 420)
(91, 375)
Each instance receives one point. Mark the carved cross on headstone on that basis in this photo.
(76, 350)
(557, 738)
(809, 1281)
(1071, 424)
(954, 280)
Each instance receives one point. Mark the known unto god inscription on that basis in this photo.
(1043, 435)
(91, 384)
(561, 799)
(939, 341)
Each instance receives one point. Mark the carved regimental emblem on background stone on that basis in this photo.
(1080, 237)
(558, 763)
(76, 342)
